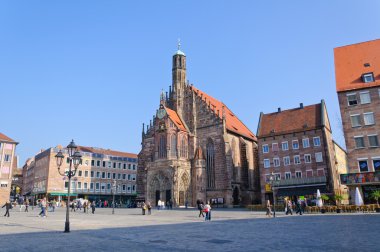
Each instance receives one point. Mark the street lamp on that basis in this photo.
(273, 179)
(75, 159)
(113, 195)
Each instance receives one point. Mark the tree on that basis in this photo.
(376, 195)
(324, 197)
(338, 198)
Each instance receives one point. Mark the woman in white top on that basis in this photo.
(207, 209)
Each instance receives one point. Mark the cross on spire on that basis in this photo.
(179, 44)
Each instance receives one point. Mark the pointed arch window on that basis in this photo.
(183, 147)
(244, 162)
(173, 146)
(210, 164)
(162, 147)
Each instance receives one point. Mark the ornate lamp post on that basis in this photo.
(75, 158)
(273, 180)
(113, 195)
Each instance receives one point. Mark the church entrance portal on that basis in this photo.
(235, 196)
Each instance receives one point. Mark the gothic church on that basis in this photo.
(195, 148)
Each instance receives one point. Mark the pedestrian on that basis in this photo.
(73, 206)
(53, 205)
(149, 206)
(21, 203)
(299, 206)
(26, 205)
(7, 206)
(171, 204)
(269, 210)
(200, 208)
(159, 205)
(93, 207)
(43, 208)
(207, 210)
(143, 208)
(84, 206)
(289, 207)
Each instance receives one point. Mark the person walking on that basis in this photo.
(207, 209)
(149, 206)
(289, 207)
(26, 205)
(200, 208)
(143, 208)
(7, 206)
(159, 205)
(53, 205)
(43, 208)
(299, 206)
(84, 206)
(93, 207)
(72, 206)
(269, 210)
(21, 203)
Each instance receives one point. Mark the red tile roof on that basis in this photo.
(233, 123)
(349, 65)
(106, 152)
(291, 120)
(175, 118)
(6, 139)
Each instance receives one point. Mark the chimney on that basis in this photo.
(279, 110)
(301, 105)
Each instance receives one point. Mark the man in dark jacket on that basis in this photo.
(7, 206)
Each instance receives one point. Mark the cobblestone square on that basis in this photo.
(183, 230)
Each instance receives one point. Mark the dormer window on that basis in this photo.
(368, 77)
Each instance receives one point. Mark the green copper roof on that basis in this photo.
(179, 52)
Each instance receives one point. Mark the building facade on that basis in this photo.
(357, 73)
(93, 180)
(297, 146)
(7, 159)
(195, 148)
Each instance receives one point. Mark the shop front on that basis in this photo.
(307, 193)
(366, 183)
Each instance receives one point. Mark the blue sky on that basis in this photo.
(93, 70)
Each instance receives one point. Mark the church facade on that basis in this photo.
(195, 148)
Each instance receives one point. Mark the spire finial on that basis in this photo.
(162, 96)
(179, 44)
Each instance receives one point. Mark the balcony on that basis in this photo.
(301, 181)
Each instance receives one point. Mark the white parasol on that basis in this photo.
(319, 199)
(358, 198)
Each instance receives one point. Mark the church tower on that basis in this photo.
(179, 81)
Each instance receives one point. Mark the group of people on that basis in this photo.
(86, 205)
(204, 210)
(161, 204)
(298, 205)
(146, 206)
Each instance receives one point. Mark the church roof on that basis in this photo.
(233, 123)
(179, 52)
(6, 139)
(175, 118)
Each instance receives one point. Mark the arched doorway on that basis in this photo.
(184, 190)
(235, 196)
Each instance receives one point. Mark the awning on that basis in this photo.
(300, 191)
(62, 194)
